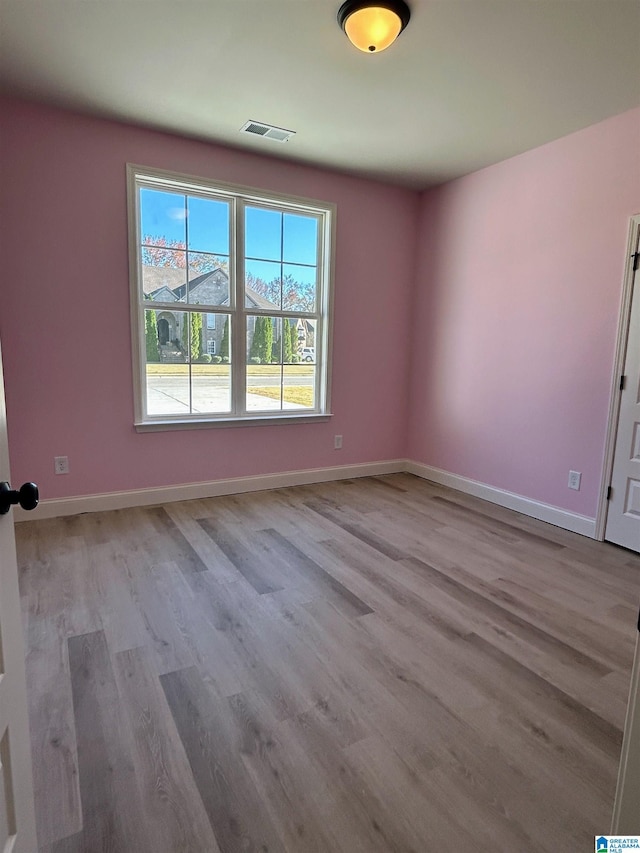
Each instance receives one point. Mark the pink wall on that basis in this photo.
(64, 311)
(516, 308)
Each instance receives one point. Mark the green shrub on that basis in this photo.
(216, 359)
(224, 343)
(151, 336)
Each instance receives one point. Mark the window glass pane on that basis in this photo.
(263, 234)
(298, 386)
(263, 337)
(162, 218)
(263, 284)
(211, 388)
(300, 239)
(281, 368)
(183, 384)
(162, 251)
(208, 225)
(211, 370)
(167, 375)
(208, 279)
(264, 370)
(298, 288)
(168, 389)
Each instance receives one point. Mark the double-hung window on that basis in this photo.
(230, 293)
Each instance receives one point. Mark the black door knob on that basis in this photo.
(27, 496)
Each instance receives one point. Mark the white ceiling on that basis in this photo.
(469, 82)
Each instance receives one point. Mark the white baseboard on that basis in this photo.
(535, 509)
(191, 491)
(214, 488)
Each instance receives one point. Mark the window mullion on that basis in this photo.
(238, 344)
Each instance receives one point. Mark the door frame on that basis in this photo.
(625, 820)
(15, 751)
(618, 368)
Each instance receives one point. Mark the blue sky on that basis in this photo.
(272, 238)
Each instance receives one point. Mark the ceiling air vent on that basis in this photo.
(268, 131)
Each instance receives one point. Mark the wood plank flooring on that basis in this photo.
(355, 667)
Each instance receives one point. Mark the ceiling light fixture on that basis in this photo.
(373, 25)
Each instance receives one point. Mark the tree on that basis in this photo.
(286, 341)
(268, 290)
(185, 334)
(267, 344)
(297, 295)
(293, 333)
(255, 352)
(262, 343)
(276, 352)
(160, 252)
(151, 336)
(224, 343)
(192, 336)
(197, 349)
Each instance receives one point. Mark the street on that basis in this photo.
(169, 394)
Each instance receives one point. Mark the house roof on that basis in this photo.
(154, 279)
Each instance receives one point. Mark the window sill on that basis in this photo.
(258, 420)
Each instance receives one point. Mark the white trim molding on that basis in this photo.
(214, 488)
(535, 509)
(238, 311)
(625, 807)
(618, 369)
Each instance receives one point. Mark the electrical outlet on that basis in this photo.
(337, 442)
(574, 480)
(61, 464)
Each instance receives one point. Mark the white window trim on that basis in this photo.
(241, 196)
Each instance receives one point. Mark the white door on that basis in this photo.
(626, 811)
(623, 517)
(17, 818)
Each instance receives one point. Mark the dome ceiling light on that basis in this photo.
(374, 25)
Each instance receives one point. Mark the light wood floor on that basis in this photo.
(371, 665)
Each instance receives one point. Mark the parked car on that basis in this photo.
(308, 354)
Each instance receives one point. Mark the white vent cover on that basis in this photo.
(268, 131)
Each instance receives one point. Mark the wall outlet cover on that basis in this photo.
(61, 464)
(574, 480)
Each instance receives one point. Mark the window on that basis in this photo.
(231, 272)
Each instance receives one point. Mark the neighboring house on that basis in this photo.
(166, 284)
